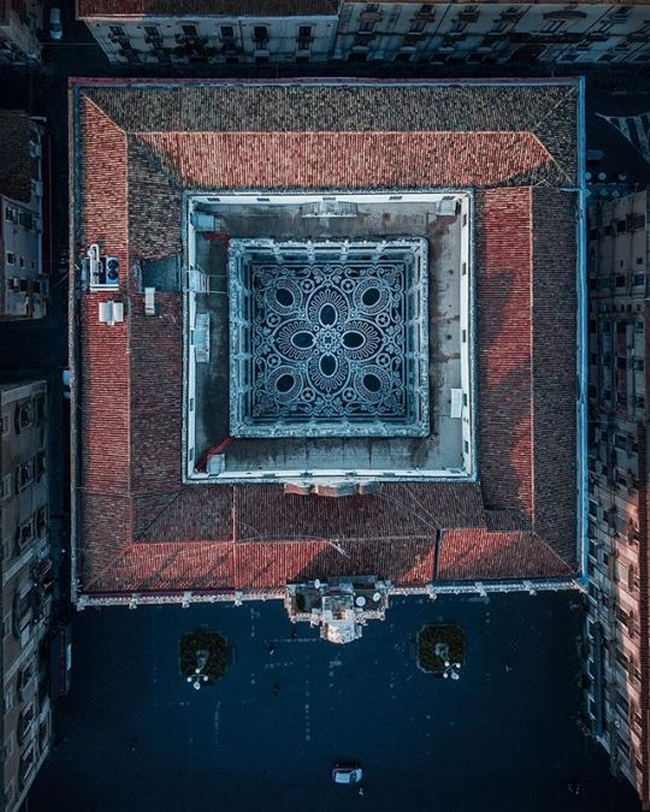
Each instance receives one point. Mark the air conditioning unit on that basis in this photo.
(111, 271)
(103, 272)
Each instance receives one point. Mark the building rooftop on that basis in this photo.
(153, 512)
(15, 158)
(200, 8)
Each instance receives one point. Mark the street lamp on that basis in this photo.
(198, 677)
(451, 670)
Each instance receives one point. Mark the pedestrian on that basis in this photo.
(275, 689)
(271, 649)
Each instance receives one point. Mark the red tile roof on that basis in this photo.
(141, 529)
(503, 302)
(219, 566)
(477, 554)
(347, 159)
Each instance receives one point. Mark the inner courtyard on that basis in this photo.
(329, 335)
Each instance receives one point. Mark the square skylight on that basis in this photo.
(328, 338)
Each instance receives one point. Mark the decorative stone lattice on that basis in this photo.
(328, 338)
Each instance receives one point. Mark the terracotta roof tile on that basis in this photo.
(169, 568)
(103, 160)
(351, 160)
(141, 529)
(396, 512)
(156, 377)
(555, 307)
(548, 110)
(105, 526)
(105, 405)
(503, 296)
(477, 554)
(407, 562)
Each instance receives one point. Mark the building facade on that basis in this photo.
(220, 32)
(23, 283)
(617, 675)
(20, 22)
(26, 586)
(494, 33)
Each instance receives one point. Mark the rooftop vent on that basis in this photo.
(111, 312)
(149, 302)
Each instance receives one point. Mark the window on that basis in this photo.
(24, 535)
(41, 520)
(631, 578)
(151, 31)
(262, 60)
(553, 26)
(366, 25)
(6, 625)
(227, 32)
(372, 8)
(189, 31)
(25, 475)
(11, 258)
(8, 700)
(25, 722)
(116, 30)
(6, 426)
(304, 32)
(403, 57)
(416, 26)
(24, 416)
(260, 34)
(6, 488)
(26, 766)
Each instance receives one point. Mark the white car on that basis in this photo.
(56, 29)
(347, 774)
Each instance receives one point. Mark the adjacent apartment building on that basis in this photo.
(618, 676)
(325, 342)
(20, 23)
(23, 283)
(26, 589)
(452, 33)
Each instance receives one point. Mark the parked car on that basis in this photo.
(347, 774)
(56, 29)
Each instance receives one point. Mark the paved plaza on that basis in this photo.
(133, 735)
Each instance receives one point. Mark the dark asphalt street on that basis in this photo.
(495, 740)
